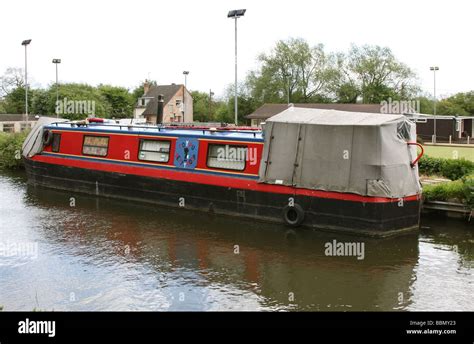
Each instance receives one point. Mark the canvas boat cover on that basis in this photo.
(353, 152)
(34, 141)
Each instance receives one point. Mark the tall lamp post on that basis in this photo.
(210, 102)
(434, 69)
(236, 14)
(185, 73)
(56, 62)
(25, 43)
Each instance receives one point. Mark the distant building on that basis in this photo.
(178, 104)
(15, 123)
(268, 110)
(458, 128)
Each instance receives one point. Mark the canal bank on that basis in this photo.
(98, 254)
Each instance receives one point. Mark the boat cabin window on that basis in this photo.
(154, 150)
(227, 157)
(95, 145)
(56, 142)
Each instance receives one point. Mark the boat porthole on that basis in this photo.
(47, 137)
(293, 215)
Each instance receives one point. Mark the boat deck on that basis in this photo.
(227, 133)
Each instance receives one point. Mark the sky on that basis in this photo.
(124, 42)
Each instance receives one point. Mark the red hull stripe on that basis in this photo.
(216, 180)
(149, 165)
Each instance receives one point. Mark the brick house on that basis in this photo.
(178, 104)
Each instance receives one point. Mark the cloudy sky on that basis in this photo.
(123, 42)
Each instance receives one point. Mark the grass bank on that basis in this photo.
(450, 152)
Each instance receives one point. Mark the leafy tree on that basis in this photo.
(292, 70)
(2, 106)
(11, 80)
(377, 74)
(246, 105)
(295, 70)
(41, 103)
(461, 104)
(201, 109)
(15, 100)
(449, 108)
(426, 104)
(119, 101)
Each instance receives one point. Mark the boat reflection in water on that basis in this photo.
(118, 255)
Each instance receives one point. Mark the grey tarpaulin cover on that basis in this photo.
(34, 141)
(361, 153)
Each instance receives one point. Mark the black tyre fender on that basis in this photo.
(293, 215)
(47, 137)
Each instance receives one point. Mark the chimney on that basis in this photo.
(146, 87)
(159, 110)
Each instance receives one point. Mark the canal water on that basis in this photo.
(62, 251)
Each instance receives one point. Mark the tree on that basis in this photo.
(377, 74)
(426, 104)
(119, 100)
(15, 100)
(246, 105)
(449, 108)
(202, 112)
(12, 91)
(461, 104)
(12, 79)
(41, 103)
(343, 86)
(292, 71)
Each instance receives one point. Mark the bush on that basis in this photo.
(456, 168)
(468, 190)
(449, 168)
(429, 166)
(461, 190)
(444, 191)
(10, 149)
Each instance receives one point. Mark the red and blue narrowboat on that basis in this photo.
(333, 171)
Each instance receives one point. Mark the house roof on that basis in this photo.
(168, 91)
(15, 117)
(268, 110)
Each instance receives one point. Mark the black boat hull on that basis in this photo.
(363, 218)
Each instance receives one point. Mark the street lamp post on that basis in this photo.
(185, 73)
(25, 43)
(434, 69)
(236, 14)
(56, 62)
(210, 102)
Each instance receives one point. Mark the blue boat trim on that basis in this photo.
(209, 135)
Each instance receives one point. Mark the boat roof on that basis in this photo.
(224, 133)
(334, 117)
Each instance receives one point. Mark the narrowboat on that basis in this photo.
(323, 169)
